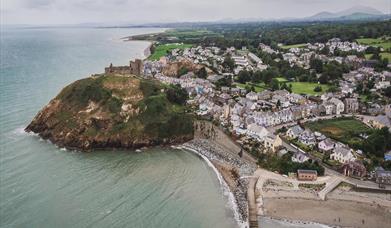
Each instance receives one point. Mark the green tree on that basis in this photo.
(202, 73)
(176, 94)
(275, 84)
(318, 89)
(317, 65)
(229, 63)
(244, 76)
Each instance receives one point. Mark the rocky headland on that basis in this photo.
(114, 111)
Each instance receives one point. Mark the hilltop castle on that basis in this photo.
(135, 67)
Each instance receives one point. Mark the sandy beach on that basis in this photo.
(331, 212)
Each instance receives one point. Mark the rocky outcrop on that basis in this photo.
(108, 111)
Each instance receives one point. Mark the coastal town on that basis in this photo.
(316, 130)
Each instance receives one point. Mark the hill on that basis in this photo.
(113, 111)
(354, 13)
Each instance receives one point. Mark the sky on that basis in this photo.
(46, 12)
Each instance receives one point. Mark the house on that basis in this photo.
(351, 105)
(252, 96)
(300, 157)
(294, 131)
(273, 142)
(380, 121)
(382, 177)
(327, 108)
(307, 138)
(307, 175)
(382, 84)
(326, 145)
(257, 132)
(342, 154)
(387, 156)
(339, 106)
(354, 168)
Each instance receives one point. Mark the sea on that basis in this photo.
(42, 185)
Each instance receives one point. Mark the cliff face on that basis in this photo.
(113, 111)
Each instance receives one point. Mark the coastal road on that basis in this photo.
(252, 205)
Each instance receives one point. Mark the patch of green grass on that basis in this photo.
(383, 55)
(307, 88)
(342, 129)
(375, 42)
(281, 79)
(386, 55)
(293, 46)
(186, 33)
(164, 49)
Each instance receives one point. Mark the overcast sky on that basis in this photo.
(41, 12)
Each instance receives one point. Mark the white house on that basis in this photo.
(326, 145)
(294, 131)
(252, 96)
(307, 137)
(342, 154)
(339, 105)
(257, 132)
(300, 157)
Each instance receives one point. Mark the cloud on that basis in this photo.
(137, 11)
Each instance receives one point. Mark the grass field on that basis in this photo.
(384, 55)
(281, 79)
(180, 33)
(375, 42)
(293, 46)
(259, 87)
(342, 129)
(307, 88)
(161, 50)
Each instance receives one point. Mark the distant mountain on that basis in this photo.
(354, 13)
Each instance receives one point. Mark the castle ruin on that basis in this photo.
(135, 68)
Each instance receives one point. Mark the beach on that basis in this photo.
(343, 207)
(331, 212)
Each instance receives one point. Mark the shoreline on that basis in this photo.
(332, 212)
(232, 201)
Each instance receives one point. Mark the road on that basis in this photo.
(252, 205)
(331, 172)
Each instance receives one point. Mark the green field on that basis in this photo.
(342, 129)
(307, 88)
(188, 33)
(293, 46)
(259, 87)
(281, 79)
(383, 55)
(162, 50)
(375, 42)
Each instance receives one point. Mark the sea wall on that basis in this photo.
(214, 144)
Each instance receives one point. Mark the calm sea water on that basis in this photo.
(44, 186)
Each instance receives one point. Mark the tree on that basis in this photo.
(244, 76)
(317, 65)
(387, 91)
(229, 63)
(176, 94)
(274, 85)
(183, 70)
(318, 89)
(201, 73)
